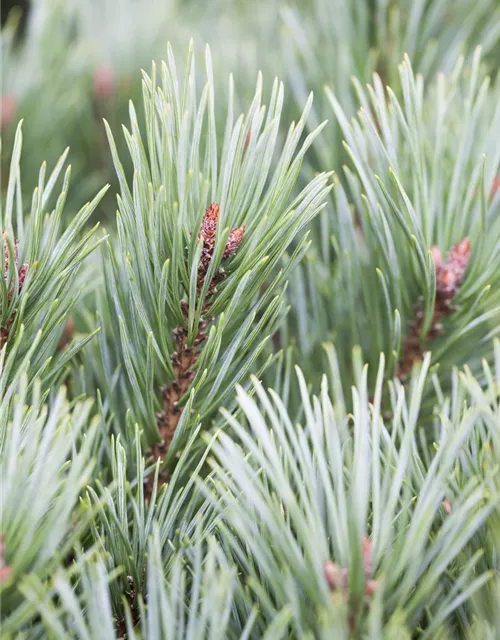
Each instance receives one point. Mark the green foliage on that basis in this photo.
(166, 469)
(45, 461)
(154, 285)
(293, 497)
(421, 174)
(123, 524)
(34, 305)
(209, 589)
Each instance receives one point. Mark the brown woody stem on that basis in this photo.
(183, 361)
(185, 357)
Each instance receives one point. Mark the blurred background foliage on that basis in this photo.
(68, 64)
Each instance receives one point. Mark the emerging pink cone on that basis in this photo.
(104, 82)
(7, 111)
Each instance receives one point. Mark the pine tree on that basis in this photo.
(264, 402)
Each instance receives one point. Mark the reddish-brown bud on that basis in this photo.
(337, 577)
(450, 272)
(207, 235)
(209, 223)
(460, 253)
(449, 276)
(21, 272)
(367, 551)
(6, 254)
(22, 275)
(447, 506)
(371, 586)
(234, 240)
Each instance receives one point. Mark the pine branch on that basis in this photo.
(39, 265)
(199, 325)
(12, 277)
(449, 275)
(124, 521)
(411, 191)
(185, 357)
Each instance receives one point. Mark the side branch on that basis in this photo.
(185, 357)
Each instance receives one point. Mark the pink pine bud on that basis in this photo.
(7, 111)
(104, 81)
(337, 577)
(495, 187)
(460, 254)
(371, 586)
(5, 574)
(209, 224)
(367, 550)
(208, 231)
(5, 571)
(450, 272)
(234, 240)
(22, 275)
(6, 257)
